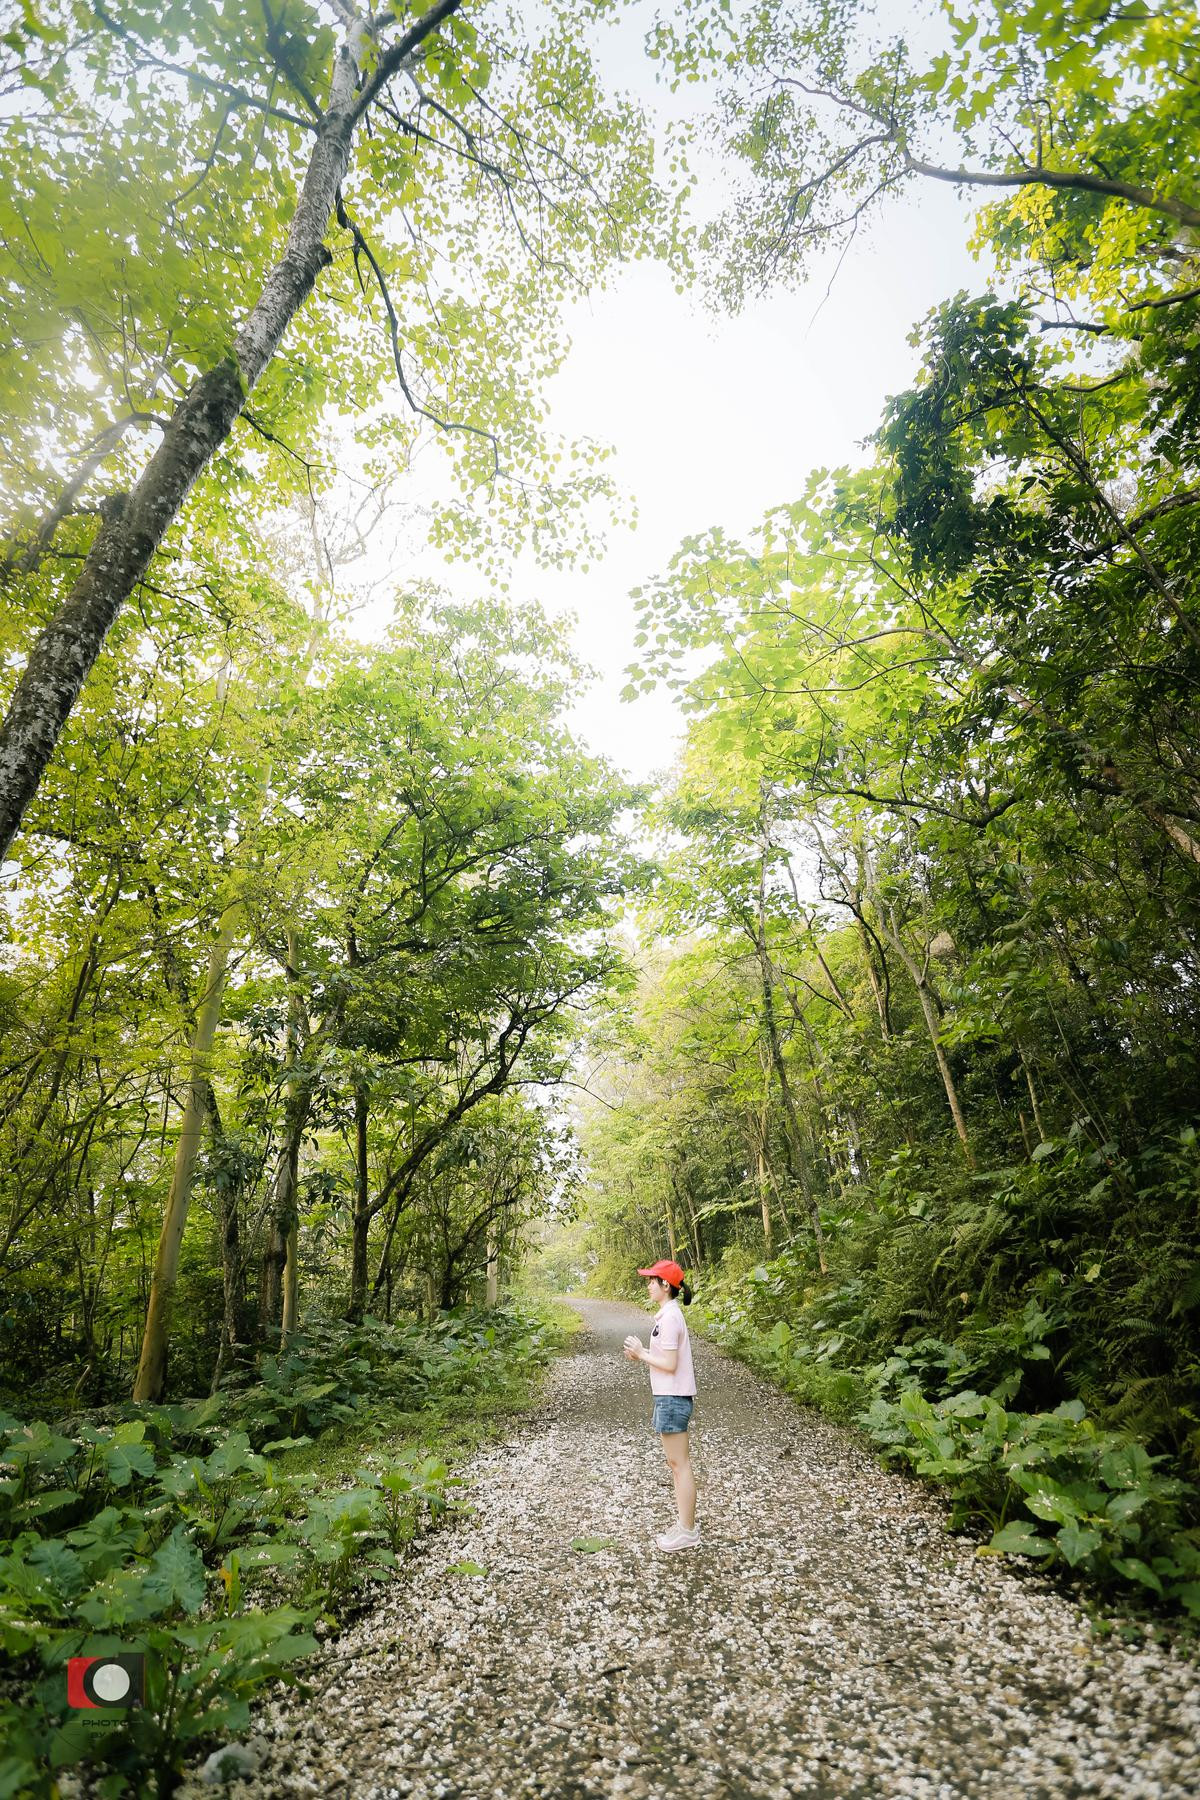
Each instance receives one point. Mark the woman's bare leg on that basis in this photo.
(675, 1449)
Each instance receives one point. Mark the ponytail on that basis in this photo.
(683, 1293)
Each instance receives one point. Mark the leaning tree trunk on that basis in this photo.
(152, 1365)
(134, 526)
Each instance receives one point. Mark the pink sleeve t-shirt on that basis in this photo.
(671, 1333)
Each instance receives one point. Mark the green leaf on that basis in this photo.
(1134, 1569)
(132, 1431)
(1123, 1506)
(19, 1776)
(589, 1545)
(51, 1500)
(467, 1568)
(122, 1461)
(273, 1555)
(177, 1571)
(1018, 1539)
(1077, 1542)
(60, 1565)
(1055, 1506)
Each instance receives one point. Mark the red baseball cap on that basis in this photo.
(666, 1271)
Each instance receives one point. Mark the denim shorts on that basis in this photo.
(672, 1412)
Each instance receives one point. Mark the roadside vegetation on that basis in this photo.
(910, 1079)
(227, 1539)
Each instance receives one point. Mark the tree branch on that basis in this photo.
(362, 246)
(238, 96)
(394, 58)
(1073, 180)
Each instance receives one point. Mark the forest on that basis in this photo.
(350, 999)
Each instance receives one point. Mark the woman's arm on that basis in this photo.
(665, 1360)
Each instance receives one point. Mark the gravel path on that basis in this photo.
(828, 1639)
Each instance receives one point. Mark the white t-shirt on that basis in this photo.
(670, 1332)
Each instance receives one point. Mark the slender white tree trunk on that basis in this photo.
(1033, 1098)
(669, 1216)
(929, 1013)
(793, 1130)
(152, 1365)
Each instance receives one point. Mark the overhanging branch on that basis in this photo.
(362, 247)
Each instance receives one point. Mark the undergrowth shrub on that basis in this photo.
(1028, 1338)
(1051, 1486)
(190, 1533)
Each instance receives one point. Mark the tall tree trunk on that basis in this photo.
(361, 1225)
(233, 1263)
(133, 526)
(837, 1162)
(232, 1269)
(493, 1268)
(873, 978)
(793, 1132)
(152, 1364)
(952, 1100)
(929, 1012)
(765, 1203)
(279, 1262)
(1033, 1099)
(291, 1284)
(669, 1216)
(689, 1213)
(856, 1161)
(760, 1139)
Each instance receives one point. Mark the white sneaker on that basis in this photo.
(679, 1539)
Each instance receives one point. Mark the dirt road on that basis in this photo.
(828, 1639)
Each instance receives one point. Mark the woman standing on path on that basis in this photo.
(673, 1384)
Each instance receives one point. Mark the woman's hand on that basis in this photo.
(633, 1348)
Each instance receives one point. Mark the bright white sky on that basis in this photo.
(713, 420)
